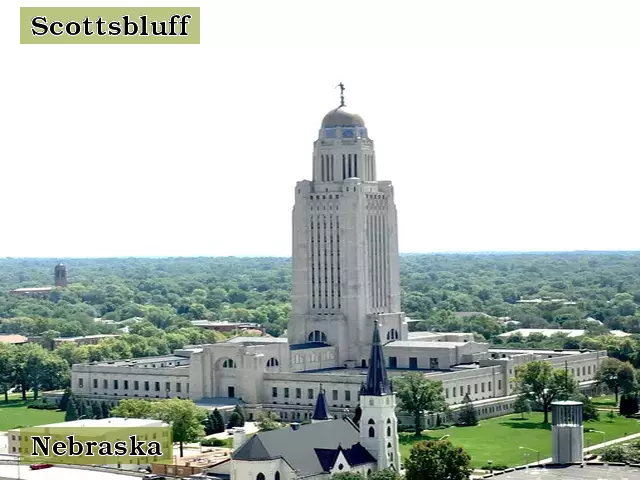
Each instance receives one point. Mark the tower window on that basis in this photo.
(372, 432)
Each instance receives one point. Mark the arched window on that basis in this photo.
(389, 445)
(369, 473)
(393, 334)
(228, 363)
(317, 336)
(388, 420)
(260, 476)
(276, 476)
(372, 432)
(272, 362)
(388, 431)
(371, 421)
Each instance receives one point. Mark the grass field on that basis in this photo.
(498, 439)
(16, 414)
(604, 401)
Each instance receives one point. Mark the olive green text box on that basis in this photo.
(110, 25)
(96, 445)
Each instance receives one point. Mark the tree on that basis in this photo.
(7, 370)
(348, 476)
(522, 405)
(589, 410)
(238, 418)
(385, 474)
(214, 422)
(417, 394)
(539, 382)
(134, 408)
(439, 460)
(467, 415)
(628, 405)
(357, 414)
(96, 411)
(64, 400)
(268, 421)
(72, 411)
(185, 419)
(104, 406)
(608, 374)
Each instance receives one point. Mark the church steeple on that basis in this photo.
(377, 380)
(321, 411)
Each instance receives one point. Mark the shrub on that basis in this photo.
(213, 442)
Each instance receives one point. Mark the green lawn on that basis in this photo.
(16, 414)
(604, 401)
(498, 439)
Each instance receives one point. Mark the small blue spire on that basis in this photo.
(321, 411)
(377, 381)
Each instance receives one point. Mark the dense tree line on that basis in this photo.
(170, 292)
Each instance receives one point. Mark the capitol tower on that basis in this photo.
(345, 245)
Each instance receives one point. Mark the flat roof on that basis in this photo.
(13, 339)
(59, 473)
(533, 350)
(73, 339)
(32, 289)
(419, 344)
(575, 472)
(105, 422)
(256, 340)
(142, 361)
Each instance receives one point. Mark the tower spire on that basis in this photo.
(321, 411)
(342, 89)
(377, 381)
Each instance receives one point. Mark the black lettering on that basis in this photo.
(143, 24)
(76, 27)
(59, 449)
(184, 21)
(43, 446)
(156, 31)
(90, 444)
(86, 23)
(75, 447)
(53, 30)
(153, 449)
(127, 24)
(120, 447)
(35, 23)
(114, 28)
(100, 24)
(105, 449)
(172, 21)
(136, 447)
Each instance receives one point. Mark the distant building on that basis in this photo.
(60, 275)
(13, 339)
(85, 340)
(223, 326)
(548, 332)
(60, 280)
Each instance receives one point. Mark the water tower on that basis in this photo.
(567, 432)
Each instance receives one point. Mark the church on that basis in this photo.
(327, 445)
(346, 291)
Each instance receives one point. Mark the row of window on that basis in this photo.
(461, 389)
(377, 249)
(310, 393)
(136, 385)
(434, 363)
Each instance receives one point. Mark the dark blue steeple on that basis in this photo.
(321, 412)
(377, 381)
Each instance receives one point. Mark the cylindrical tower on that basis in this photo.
(60, 275)
(567, 432)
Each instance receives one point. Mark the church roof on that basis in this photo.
(377, 381)
(356, 455)
(321, 411)
(339, 117)
(308, 448)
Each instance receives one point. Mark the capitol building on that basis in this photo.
(346, 282)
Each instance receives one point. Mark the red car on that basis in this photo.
(40, 466)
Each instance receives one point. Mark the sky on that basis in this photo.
(503, 125)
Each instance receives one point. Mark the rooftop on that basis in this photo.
(574, 472)
(257, 340)
(105, 422)
(13, 339)
(10, 471)
(419, 344)
(132, 362)
(31, 289)
(306, 346)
